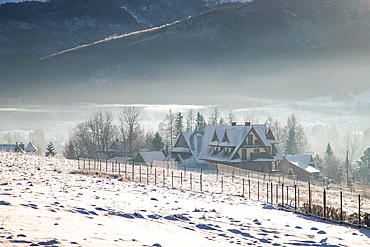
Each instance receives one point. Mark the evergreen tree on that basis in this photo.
(365, 158)
(70, 151)
(157, 143)
(179, 124)
(329, 150)
(50, 150)
(291, 144)
(295, 137)
(200, 122)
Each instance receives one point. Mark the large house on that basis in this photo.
(251, 147)
(301, 166)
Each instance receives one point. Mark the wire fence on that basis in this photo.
(313, 197)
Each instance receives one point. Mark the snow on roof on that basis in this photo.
(303, 161)
(148, 157)
(31, 148)
(236, 136)
(7, 147)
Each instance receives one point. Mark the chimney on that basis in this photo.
(233, 123)
(247, 123)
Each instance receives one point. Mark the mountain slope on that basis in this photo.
(50, 27)
(264, 49)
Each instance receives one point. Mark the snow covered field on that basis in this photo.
(42, 204)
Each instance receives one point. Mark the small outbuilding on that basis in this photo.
(148, 157)
(30, 148)
(301, 166)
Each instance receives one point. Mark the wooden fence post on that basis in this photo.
(155, 176)
(200, 179)
(133, 171)
(295, 197)
(140, 173)
(341, 207)
(147, 175)
(119, 168)
(181, 179)
(84, 164)
(243, 188)
(222, 185)
(100, 164)
(324, 202)
(267, 192)
(164, 179)
(172, 179)
(359, 210)
(272, 198)
(258, 190)
(190, 183)
(89, 164)
(106, 166)
(282, 194)
(249, 188)
(309, 197)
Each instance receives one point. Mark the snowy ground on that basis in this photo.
(42, 204)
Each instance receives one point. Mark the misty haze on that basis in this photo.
(156, 74)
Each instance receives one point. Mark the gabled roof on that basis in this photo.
(189, 142)
(148, 157)
(304, 162)
(236, 136)
(30, 148)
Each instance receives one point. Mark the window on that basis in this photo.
(257, 152)
(250, 140)
(244, 154)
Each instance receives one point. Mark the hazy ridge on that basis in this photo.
(264, 49)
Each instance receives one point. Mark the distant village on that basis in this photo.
(197, 143)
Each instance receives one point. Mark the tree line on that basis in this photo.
(91, 137)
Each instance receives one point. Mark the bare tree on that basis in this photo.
(275, 127)
(231, 117)
(250, 117)
(169, 128)
(351, 143)
(190, 120)
(84, 141)
(101, 127)
(131, 132)
(213, 118)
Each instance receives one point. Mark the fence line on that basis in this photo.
(308, 197)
